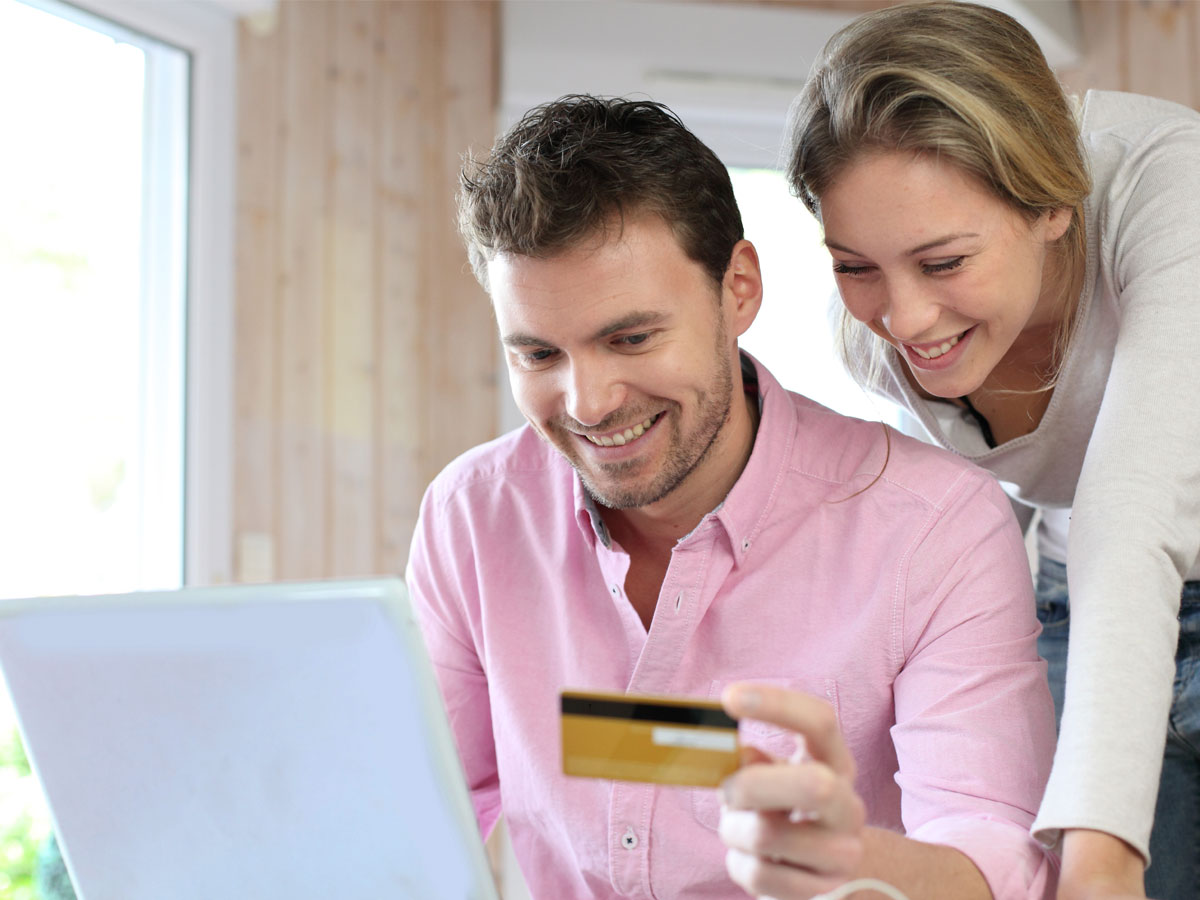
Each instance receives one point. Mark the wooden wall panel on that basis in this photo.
(349, 293)
(365, 355)
(1144, 46)
(1159, 39)
(1105, 65)
(404, 207)
(457, 312)
(300, 506)
(256, 283)
(1194, 54)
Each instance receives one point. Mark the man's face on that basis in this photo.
(620, 356)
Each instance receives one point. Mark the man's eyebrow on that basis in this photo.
(928, 245)
(525, 340)
(639, 319)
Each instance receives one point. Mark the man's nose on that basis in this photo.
(910, 313)
(593, 392)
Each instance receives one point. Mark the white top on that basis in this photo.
(1118, 453)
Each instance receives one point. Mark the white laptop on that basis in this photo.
(271, 741)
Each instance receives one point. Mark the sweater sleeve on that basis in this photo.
(1135, 527)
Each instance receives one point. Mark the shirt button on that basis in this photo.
(746, 544)
(629, 839)
(678, 601)
(616, 591)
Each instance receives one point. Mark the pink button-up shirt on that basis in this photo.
(907, 606)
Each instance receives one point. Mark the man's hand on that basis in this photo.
(794, 828)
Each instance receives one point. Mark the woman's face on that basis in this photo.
(939, 267)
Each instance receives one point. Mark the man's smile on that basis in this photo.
(620, 438)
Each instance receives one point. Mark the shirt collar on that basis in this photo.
(587, 516)
(749, 502)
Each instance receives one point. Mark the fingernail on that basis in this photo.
(724, 792)
(749, 698)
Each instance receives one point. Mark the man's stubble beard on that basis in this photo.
(686, 454)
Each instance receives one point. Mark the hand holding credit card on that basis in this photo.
(650, 738)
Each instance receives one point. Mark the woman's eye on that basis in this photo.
(946, 266)
(845, 269)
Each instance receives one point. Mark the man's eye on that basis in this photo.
(537, 356)
(945, 266)
(844, 269)
(634, 339)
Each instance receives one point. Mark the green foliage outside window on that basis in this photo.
(31, 867)
(21, 834)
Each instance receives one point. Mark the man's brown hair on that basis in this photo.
(574, 167)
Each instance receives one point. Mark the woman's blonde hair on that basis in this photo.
(964, 82)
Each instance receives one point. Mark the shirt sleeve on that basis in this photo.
(441, 582)
(974, 731)
(1135, 523)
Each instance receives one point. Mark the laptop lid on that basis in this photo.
(262, 741)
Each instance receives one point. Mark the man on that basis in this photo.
(671, 521)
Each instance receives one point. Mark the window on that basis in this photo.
(93, 281)
(92, 250)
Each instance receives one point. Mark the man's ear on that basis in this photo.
(742, 287)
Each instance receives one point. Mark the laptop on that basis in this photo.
(267, 741)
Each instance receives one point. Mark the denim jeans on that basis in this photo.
(1174, 872)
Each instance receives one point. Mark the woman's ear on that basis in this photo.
(1057, 222)
(742, 287)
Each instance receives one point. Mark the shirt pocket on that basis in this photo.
(778, 742)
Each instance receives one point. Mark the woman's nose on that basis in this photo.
(909, 313)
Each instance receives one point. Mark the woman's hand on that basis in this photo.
(1098, 866)
(795, 827)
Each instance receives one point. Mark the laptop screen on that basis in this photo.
(265, 741)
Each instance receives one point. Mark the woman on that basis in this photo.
(1024, 277)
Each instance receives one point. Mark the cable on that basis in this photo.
(863, 884)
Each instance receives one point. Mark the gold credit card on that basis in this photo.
(632, 737)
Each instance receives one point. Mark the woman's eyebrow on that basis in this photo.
(928, 245)
(939, 242)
